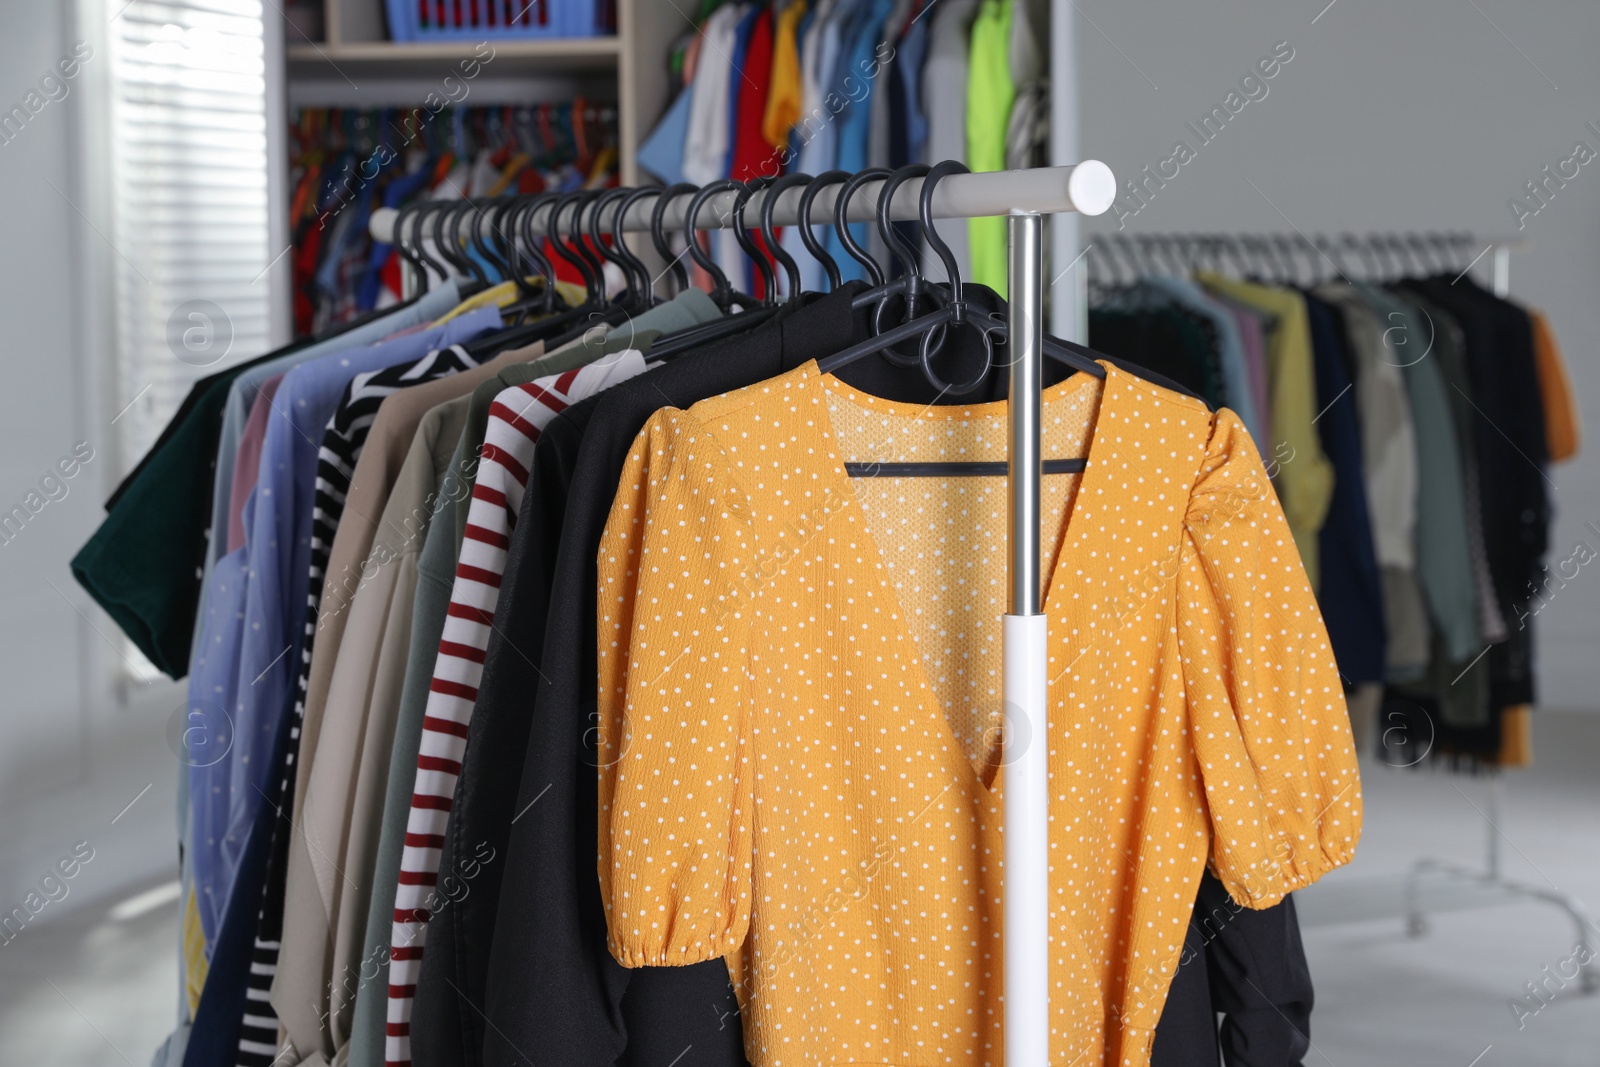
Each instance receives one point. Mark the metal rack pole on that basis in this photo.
(1026, 655)
(1089, 187)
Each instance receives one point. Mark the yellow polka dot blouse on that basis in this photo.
(799, 703)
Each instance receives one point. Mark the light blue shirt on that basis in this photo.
(431, 305)
(819, 131)
(254, 611)
(662, 152)
(855, 121)
(1235, 373)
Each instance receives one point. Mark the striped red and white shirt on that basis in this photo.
(515, 421)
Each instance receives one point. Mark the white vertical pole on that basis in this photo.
(279, 280)
(1068, 311)
(1025, 773)
(1502, 271)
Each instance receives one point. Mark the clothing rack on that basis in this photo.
(1324, 256)
(1024, 197)
(1431, 885)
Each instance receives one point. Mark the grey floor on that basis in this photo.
(90, 991)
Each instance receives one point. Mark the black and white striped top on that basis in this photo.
(341, 446)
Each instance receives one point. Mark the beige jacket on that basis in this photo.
(358, 665)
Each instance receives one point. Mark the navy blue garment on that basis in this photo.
(214, 1037)
(1350, 596)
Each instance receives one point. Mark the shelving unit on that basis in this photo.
(357, 65)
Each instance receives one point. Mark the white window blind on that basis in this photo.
(189, 181)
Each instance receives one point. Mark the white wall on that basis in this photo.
(75, 752)
(1414, 116)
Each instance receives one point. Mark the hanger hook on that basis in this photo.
(577, 231)
(425, 211)
(658, 234)
(402, 244)
(721, 290)
(930, 233)
(447, 230)
(558, 243)
(897, 246)
(808, 237)
(769, 282)
(902, 252)
(791, 269)
(597, 241)
(641, 273)
(841, 226)
(533, 247)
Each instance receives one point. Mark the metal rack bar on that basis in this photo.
(1088, 188)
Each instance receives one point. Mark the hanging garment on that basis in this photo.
(1351, 594)
(815, 136)
(363, 416)
(1562, 421)
(248, 461)
(705, 152)
(1027, 129)
(1247, 966)
(550, 980)
(1163, 339)
(266, 581)
(879, 77)
(662, 152)
(785, 94)
(1237, 392)
(1300, 471)
(1252, 340)
(944, 88)
(854, 79)
(1512, 456)
(1450, 344)
(678, 897)
(1444, 562)
(140, 565)
(1389, 455)
(515, 420)
(438, 429)
(990, 93)
(687, 309)
(370, 567)
(241, 676)
(910, 60)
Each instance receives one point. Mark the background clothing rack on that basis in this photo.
(1024, 196)
(1431, 885)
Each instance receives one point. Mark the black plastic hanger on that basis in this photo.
(639, 274)
(632, 296)
(754, 312)
(791, 269)
(952, 316)
(741, 233)
(722, 291)
(842, 227)
(658, 236)
(808, 237)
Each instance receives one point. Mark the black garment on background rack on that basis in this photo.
(535, 959)
(1513, 455)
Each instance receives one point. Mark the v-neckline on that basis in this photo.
(1050, 592)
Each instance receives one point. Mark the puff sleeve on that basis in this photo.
(674, 732)
(1266, 708)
